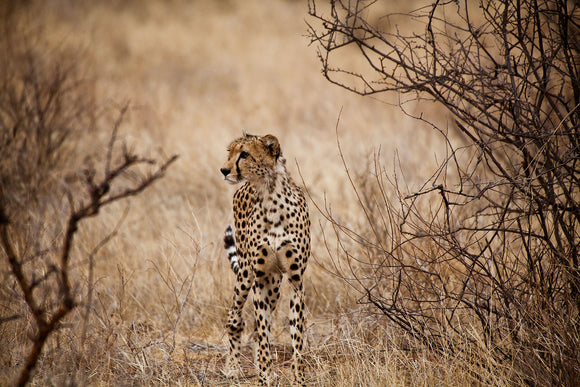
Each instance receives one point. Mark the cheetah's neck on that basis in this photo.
(277, 180)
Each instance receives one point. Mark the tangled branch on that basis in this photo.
(492, 239)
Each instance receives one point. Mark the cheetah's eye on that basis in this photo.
(244, 155)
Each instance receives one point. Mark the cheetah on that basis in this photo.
(272, 238)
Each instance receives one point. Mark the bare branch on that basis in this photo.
(47, 319)
(491, 238)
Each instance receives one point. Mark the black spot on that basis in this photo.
(261, 261)
(294, 267)
(261, 273)
(264, 252)
(288, 253)
(295, 277)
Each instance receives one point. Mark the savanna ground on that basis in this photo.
(196, 75)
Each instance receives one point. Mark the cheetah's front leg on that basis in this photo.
(235, 324)
(266, 293)
(297, 328)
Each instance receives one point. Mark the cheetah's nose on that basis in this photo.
(225, 171)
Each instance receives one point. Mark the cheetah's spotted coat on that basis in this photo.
(272, 238)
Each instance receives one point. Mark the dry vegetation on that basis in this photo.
(151, 302)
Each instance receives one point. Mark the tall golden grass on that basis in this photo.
(196, 75)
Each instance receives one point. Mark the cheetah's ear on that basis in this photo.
(272, 144)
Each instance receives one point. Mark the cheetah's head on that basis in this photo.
(252, 158)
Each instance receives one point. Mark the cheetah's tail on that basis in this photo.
(230, 246)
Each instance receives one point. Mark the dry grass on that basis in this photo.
(197, 74)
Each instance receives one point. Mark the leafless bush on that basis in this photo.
(45, 104)
(486, 253)
(46, 108)
(49, 313)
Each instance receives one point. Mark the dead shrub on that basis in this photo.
(485, 253)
